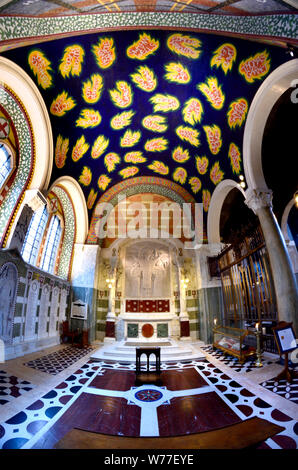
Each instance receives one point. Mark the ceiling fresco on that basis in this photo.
(148, 103)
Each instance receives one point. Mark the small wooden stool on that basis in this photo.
(147, 351)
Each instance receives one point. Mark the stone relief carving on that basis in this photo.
(31, 309)
(147, 271)
(8, 292)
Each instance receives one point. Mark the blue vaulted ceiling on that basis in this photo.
(148, 103)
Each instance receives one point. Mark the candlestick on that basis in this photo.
(258, 351)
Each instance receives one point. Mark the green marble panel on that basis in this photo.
(162, 330)
(132, 330)
(16, 330)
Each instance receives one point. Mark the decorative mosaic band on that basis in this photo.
(273, 26)
(69, 231)
(22, 125)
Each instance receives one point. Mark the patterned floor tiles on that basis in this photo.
(141, 410)
(233, 362)
(12, 387)
(283, 388)
(21, 429)
(59, 360)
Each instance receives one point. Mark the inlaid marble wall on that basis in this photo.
(86, 270)
(33, 305)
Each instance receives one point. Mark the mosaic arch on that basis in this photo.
(139, 185)
(15, 28)
(148, 103)
(69, 233)
(32, 136)
(22, 126)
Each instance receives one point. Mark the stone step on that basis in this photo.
(119, 352)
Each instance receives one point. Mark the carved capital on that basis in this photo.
(34, 199)
(257, 199)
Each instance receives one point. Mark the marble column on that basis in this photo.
(260, 201)
(111, 316)
(84, 284)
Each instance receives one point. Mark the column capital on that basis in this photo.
(258, 198)
(34, 199)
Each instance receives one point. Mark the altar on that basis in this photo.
(147, 321)
(149, 312)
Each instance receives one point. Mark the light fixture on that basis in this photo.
(296, 198)
(242, 184)
(241, 177)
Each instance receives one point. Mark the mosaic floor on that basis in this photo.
(233, 362)
(12, 387)
(283, 389)
(195, 396)
(58, 361)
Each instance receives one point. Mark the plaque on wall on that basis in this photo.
(79, 310)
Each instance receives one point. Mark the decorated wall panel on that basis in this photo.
(36, 305)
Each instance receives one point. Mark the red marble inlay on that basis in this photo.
(147, 330)
(110, 329)
(114, 380)
(182, 379)
(246, 410)
(279, 416)
(285, 442)
(184, 328)
(194, 414)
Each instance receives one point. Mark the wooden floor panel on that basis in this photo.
(120, 380)
(243, 435)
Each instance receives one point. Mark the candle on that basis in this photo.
(257, 326)
(263, 330)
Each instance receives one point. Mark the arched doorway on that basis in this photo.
(278, 85)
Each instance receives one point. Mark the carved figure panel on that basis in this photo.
(147, 270)
(8, 291)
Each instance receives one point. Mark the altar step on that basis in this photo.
(120, 351)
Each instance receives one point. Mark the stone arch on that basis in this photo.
(280, 80)
(24, 104)
(217, 200)
(284, 219)
(70, 226)
(77, 197)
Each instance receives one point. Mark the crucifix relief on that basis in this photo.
(147, 272)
